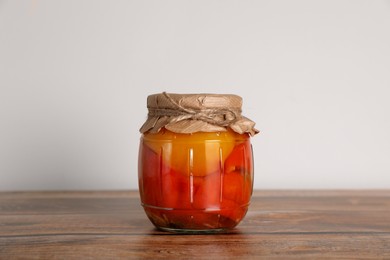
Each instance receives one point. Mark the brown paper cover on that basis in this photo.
(190, 113)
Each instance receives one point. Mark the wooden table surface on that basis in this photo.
(279, 224)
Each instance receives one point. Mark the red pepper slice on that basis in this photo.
(238, 174)
(149, 181)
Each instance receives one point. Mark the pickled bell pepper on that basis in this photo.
(195, 181)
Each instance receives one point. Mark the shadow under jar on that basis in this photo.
(195, 174)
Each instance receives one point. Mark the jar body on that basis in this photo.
(200, 182)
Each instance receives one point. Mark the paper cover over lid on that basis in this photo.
(190, 113)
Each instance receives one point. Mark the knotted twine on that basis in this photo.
(190, 113)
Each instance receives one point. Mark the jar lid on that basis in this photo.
(190, 113)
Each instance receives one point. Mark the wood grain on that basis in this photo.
(280, 224)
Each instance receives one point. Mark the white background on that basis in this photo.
(74, 77)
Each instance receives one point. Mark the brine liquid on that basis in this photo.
(201, 181)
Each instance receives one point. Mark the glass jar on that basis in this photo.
(195, 182)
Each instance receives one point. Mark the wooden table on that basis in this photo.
(279, 224)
